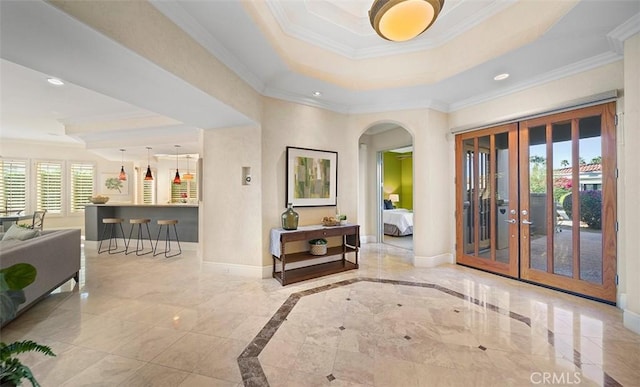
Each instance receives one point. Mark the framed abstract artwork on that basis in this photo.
(312, 177)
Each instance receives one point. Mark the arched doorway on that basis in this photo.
(386, 184)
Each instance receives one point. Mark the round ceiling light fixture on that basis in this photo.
(501, 77)
(317, 94)
(402, 20)
(55, 81)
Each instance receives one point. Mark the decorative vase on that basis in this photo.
(290, 218)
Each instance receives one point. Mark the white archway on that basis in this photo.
(379, 136)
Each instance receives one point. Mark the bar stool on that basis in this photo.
(110, 224)
(167, 240)
(140, 236)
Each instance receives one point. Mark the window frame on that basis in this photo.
(27, 190)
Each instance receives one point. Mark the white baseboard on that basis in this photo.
(432, 261)
(368, 239)
(631, 321)
(241, 270)
(622, 301)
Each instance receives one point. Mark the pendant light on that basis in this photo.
(148, 176)
(123, 175)
(187, 176)
(176, 180)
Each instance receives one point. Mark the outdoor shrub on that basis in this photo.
(590, 208)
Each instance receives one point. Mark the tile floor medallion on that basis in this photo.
(152, 321)
(442, 336)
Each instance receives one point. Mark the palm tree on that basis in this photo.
(564, 163)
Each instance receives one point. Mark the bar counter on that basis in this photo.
(186, 214)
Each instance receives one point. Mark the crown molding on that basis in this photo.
(177, 14)
(623, 32)
(384, 48)
(303, 100)
(397, 106)
(566, 71)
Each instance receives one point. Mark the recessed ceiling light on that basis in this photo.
(500, 77)
(317, 94)
(55, 81)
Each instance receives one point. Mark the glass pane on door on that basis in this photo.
(590, 180)
(538, 198)
(502, 182)
(468, 189)
(562, 235)
(484, 197)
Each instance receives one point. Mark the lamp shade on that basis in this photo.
(148, 175)
(123, 174)
(176, 179)
(402, 20)
(394, 198)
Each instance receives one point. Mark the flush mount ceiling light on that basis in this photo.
(401, 20)
(500, 77)
(55, 81)
(317, 94)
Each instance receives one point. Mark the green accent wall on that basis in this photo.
(398, 177)
(406, 183)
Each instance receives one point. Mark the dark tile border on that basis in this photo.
(253, 374)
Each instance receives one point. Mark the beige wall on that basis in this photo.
(541, 98)
(230, 212)
(289, 124)
(139, 26)
(629, 186)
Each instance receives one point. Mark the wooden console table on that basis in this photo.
(350, 235)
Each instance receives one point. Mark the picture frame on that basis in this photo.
(312, 177)
(110, 185)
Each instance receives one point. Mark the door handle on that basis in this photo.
(524, 221)
(512, 221)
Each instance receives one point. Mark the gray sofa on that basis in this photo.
(55, 255)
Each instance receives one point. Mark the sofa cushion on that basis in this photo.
(16, 232)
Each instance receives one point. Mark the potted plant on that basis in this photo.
(12, 280)
(12, 371)
(318, 246)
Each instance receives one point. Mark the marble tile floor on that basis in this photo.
(144, 321)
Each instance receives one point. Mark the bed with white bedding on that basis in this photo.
(397, 222)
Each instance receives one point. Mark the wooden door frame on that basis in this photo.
(490, 264)
(607, 290)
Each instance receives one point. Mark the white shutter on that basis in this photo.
(82, 177)
(49, 186)
(187, 189)
(13, 186)
(148, 191)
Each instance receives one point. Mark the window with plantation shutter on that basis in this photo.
(49, 186)
(82, 176)
(13, 186)
(187, 189)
